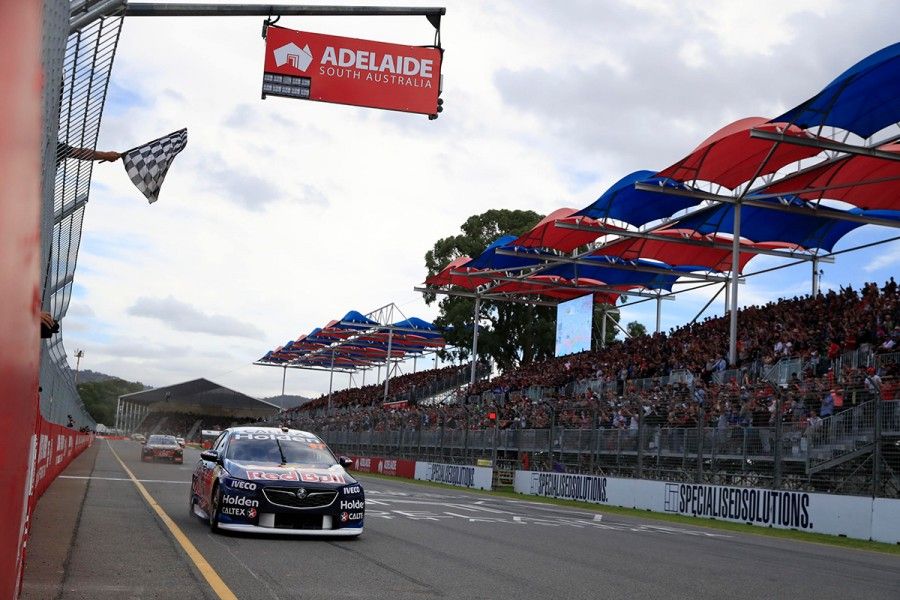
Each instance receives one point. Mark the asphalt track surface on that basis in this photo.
(424, 542)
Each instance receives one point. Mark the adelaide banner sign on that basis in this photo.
(327, 68)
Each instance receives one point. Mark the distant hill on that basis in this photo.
(287, 401)
(88, 376)
(99, 392)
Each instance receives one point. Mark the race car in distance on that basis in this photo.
(162, 447)
(278, 481)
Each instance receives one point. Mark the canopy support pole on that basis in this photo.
(414, 363)
(603, 329)
(725, 287)
(658, 312)
(387, 370)
(283, 380)
(330, 381)
(475, 318)
(364, 378)
(118, 413)
(735, 269)
(815, 277)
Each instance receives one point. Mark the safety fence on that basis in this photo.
(77, 68)
(854, 451)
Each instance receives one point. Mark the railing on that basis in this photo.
(727, 376)
(781, 372)
(789, 456)
(840, 435)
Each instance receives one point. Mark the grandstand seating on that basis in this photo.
(410, 388)
(826, 335)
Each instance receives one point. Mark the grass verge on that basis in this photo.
(792, 534)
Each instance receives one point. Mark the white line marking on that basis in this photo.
(120, 479)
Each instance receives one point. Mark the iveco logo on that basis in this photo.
(301, 493)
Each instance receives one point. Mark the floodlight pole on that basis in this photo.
(475, 318)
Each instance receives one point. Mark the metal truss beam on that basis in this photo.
(646, 235)
(586, 289)
(487, 296)
(824, 144)
(571, 260)
(162, 9)
(796, 210)
(302, 368)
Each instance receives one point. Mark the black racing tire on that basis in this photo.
(215, 502)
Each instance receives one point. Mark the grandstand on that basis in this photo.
(797, 407)
(185, 409)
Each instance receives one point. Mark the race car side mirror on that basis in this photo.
(210, 455)
(345, 462)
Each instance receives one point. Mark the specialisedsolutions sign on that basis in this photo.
(327, 68)
(852, 516)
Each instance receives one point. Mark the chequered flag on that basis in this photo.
(147, 165)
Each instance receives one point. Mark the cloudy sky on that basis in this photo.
(282, 214)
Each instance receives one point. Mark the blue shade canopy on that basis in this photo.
(766, 225)
(863, 99)
(355, 317)
(625, 203)
(489, 259)
(606, 270)
(427, 329)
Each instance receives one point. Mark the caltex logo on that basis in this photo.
(293, 55)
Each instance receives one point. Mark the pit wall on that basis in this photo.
(864, 518)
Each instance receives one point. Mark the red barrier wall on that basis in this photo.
(20, 205)
(385, 466)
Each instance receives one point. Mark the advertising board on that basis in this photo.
(460, 475)
(851, 516)
(328, 68)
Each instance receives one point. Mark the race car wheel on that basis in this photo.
(214, 505)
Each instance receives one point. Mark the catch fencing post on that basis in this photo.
(776, 479)
(640, 443)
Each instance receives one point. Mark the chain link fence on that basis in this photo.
(856, 450)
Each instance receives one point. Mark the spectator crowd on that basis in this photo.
(601, 388)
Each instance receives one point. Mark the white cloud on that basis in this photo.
(181, 316)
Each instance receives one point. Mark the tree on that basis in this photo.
(510, 334)
(100, 397)
(636, 329)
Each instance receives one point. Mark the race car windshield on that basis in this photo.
(266, 451)
(162, 440)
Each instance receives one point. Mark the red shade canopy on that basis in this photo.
(866, 182)
(730, 156)
(678, 254)
(548, 234)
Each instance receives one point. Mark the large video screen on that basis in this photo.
(574, 320)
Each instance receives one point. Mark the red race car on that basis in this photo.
(162, 447)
